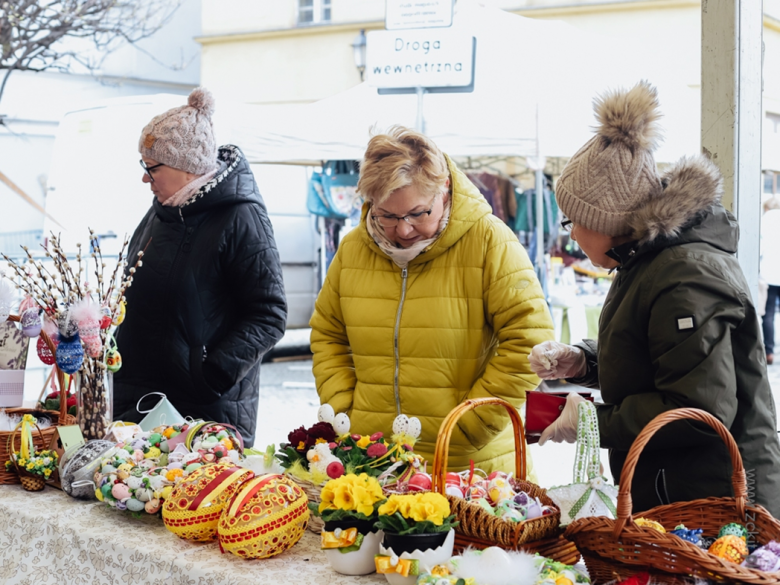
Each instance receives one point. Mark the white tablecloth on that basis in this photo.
(49, 538)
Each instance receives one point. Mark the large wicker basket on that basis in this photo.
(480, 529)
(618, 549)
(312, 490)
(42, 440)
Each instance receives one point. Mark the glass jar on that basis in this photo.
(93, 394)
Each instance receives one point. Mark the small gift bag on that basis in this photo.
(162, 414)
(590, 494)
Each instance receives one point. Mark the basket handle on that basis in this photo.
(60, 374)
(738, 480)
(441, 455)
(11, 443)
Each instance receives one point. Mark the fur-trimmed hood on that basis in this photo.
(692, 190)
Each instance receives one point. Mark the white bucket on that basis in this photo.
(11, 388)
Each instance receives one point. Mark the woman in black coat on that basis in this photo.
(209, 300)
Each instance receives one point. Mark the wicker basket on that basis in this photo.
(41, 441)
(312, 490)
(618, 549)
(31, 482)
(480, 529)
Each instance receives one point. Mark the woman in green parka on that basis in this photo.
(678, 328)
(430, 301)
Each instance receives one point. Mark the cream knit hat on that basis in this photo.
(614, 173)
(183, 137)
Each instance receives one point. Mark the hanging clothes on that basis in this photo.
(525, 220)
(499, 193)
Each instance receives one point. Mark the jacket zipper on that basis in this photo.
(395, 343)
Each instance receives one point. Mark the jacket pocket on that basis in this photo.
(203, 391)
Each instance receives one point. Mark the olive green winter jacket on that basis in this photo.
(458, 323)
(679, 329)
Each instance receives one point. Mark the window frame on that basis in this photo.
(318, 11)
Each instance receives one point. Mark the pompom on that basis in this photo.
(629, 116)
(202, 100)
(85, 310)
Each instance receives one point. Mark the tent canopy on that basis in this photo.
(534, 85)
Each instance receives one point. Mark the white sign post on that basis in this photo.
(404, 14)
(428, 58)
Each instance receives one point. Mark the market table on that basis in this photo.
(49, 538)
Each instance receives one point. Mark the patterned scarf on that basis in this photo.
(402, 256)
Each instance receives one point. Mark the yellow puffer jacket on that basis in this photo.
(465, 314)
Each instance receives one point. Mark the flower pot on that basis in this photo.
(358, 562)
(426, 557)
(412, 542)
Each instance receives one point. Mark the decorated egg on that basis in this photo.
(497, 559)
(326, 414)
(93, 347)
(735, 529)
(267, 516)
(341, 423)
(500, 490)
(120, 491)
(475, 492)
(113, 360)
(152, 506)
(44, 353)
(645, 523)
(419, 482)
(70, 354)
(401, 424)
(134, 482)
(135, 505)
(31, 322)
(452, 478)
(120, 316)
(67, 326)
(193, 509)
(533, 509)
(730, 547)
(105, 317)
(414, 427)
(453, 490)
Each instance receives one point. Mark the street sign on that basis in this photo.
(426, 58)
(400, 14)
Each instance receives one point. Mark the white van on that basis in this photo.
(95, 182)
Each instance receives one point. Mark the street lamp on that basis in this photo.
(359, 52)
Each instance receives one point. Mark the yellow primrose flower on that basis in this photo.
(396, 503)
(343, 498)
(364, 441)
(327, 495)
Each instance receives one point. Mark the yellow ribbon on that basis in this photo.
(346, 537)
(26, 449)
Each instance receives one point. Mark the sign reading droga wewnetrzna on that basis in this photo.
(424, 58)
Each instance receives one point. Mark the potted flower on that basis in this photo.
(419, 534)
(350, 538)
(35, 469)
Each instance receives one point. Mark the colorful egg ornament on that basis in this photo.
(266, 517)
(730, 547)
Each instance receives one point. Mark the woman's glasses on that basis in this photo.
(566, 225)
(149, 170)
(410, 218)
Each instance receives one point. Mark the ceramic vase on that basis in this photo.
(358, 562)
(428, 550)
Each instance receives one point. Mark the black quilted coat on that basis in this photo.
(206, 305)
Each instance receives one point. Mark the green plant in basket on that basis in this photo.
(41, 463)
(421, 513)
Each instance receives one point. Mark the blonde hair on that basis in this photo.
(400, 158)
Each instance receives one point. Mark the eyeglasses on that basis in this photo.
(567, 225)
(410, 218)
(149, 170)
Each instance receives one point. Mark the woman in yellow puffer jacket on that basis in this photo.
(430, 301)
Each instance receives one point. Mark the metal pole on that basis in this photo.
(420, 125)
(732, 114)
(540, 269)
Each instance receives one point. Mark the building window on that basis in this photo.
(314, 11)
(770, 183)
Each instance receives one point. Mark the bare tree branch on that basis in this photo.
(34, 33)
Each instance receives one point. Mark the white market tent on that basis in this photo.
(523, 66)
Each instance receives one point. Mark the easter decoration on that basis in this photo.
(496, 566)
(350, 538)
(77, 305)
(327, 451)
(418, 535)
(34, 467)
(716, 547)
(590, 494)
(499, 509)
(266, 516)
(193, 508)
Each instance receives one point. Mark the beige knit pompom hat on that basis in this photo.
(183, 137)
(615, 172)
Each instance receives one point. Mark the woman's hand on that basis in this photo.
(565, 426)
(552, 360)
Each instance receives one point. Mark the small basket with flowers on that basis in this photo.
(34, 468)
